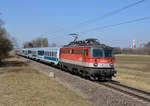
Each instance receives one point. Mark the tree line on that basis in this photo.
(39, 42)
(141, 51)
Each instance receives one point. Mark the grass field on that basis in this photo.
(22, 85)
(133, 70)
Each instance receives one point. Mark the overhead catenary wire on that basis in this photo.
(109, 14)
(99, 18)
(118, 24)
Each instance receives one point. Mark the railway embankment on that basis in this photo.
(92, 91)
(23, 85)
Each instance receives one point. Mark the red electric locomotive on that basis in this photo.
(88, 58)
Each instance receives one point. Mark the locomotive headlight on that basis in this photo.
(111, 64)
(95, 64)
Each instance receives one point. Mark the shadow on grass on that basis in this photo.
(10, 71)
(13, 64)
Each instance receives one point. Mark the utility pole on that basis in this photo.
(41, 40)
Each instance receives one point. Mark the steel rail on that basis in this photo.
(131, 88)
(137, 93)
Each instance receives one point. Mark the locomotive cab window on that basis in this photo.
(97, 53)
(108, 53)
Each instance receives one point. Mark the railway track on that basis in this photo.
(134, 92)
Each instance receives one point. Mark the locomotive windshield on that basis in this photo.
(102, 53)
(108, 53)
(97, 53)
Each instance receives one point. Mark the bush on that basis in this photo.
(5, 44)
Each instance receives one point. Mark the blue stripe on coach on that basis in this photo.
(51, 58)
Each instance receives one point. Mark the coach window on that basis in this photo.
(29, 51)
(41, 52)
(52, 54)
(49, 54)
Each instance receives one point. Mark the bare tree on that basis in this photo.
(5, 43)
(14, 42)
(39, 42)
(117, 50)
(28, 45)
(53, 45)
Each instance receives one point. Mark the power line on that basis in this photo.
(105, 15)
(121, 23)
(110, 13)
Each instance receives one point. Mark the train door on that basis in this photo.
(85, 57)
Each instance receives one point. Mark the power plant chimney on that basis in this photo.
(145, 42)
(141, 45)
(133, 43)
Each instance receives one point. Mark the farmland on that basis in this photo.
(133, 70)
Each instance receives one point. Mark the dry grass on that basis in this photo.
(21, 85)
(134, 71)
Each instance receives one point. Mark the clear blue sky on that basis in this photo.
(54, 19)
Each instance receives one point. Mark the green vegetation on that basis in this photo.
(22, 85)
(133, 70)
